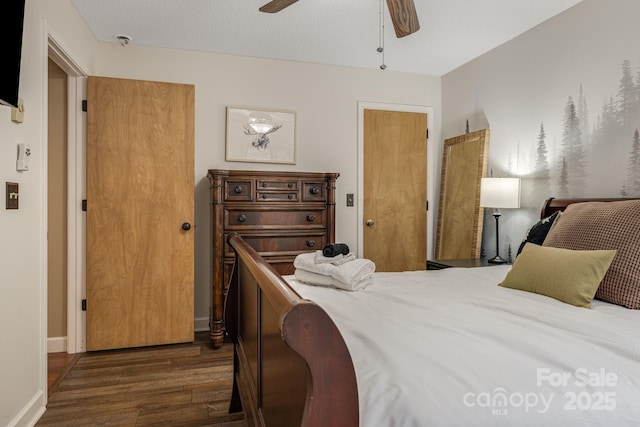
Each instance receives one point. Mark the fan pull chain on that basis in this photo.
(381, 34)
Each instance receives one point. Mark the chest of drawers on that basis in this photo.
(280, 214)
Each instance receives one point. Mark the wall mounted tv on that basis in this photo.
(11, 23)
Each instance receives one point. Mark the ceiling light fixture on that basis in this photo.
(123, 39)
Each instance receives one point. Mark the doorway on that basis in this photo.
(56, 209)
(75, 129)
(384, 130)
(140, 209)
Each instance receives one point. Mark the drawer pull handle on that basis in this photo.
(264, 196)
(311, 243)
(238, 189)
(290, 185)
(264, 184)
(311, 217)
(290, 196)
(314, 190)
(242, 217)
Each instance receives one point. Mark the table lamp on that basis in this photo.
(499, 193)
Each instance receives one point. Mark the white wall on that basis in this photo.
(325, 98)
(22, 249)
(528, 81)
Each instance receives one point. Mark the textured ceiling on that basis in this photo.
(338, 32)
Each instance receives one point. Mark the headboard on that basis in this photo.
(552, 204)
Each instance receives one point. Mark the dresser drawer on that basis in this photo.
(238, 218)
(238, 190)
(270, 184)
(313, 191)
(277, 196)
(282, 244)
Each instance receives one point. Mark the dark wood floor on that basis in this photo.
(58, 365)
(173, 385)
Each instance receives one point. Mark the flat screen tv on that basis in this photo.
(11, 23)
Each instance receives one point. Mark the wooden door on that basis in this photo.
(140, 192)
(395, 189)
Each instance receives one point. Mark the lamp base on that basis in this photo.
(497, 260)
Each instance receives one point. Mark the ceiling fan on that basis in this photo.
(403, 14)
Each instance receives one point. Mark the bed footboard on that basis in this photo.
(291, 364)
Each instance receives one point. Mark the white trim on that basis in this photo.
(76, 90)
(431, 165)
(60, 56)
(40, 398)
(57, 345)
(31, 412)
(201, 324)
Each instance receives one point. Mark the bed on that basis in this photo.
(438, 348)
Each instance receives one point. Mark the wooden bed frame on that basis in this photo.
(291, 364)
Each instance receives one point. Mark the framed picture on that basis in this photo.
(263, 136)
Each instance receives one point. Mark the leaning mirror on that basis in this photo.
(464, 163)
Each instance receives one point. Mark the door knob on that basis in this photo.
(186, 226)
(369, 223)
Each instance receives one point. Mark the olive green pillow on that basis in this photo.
(564, 274)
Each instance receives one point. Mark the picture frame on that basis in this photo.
(259, 135)
(460, 216)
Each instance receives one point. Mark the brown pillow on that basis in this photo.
(605, 225)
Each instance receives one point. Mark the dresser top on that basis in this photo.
(271, 174)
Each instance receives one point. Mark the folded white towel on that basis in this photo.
(322, 280)
(350, 273)
(335, 260)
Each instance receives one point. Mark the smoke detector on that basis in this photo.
(123, 39)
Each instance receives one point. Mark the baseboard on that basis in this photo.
(32, 411)
(201, 324)
(57, 345)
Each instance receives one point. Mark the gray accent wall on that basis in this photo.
(563, 104)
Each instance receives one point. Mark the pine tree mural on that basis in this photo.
(563, 190)
(623, 190)
(607, 125)
(633, 169)
(541, 188)
(583, 115)
(626, 98)
(573, 151)
(588, 151)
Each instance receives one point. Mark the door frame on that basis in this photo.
(432, 153)
(76, 221)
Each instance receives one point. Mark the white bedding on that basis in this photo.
(451, 348)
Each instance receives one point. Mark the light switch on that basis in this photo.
(350, 199)
(17, 114)
(12, 195)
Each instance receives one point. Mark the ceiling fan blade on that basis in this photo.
(276, 5)
(404, 17)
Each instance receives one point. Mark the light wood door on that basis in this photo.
(395, 189)
(140, 185)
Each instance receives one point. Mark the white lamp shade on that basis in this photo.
(500, 192)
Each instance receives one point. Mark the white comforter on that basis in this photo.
(451, 348)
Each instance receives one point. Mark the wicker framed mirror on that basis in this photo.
(464, 162)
